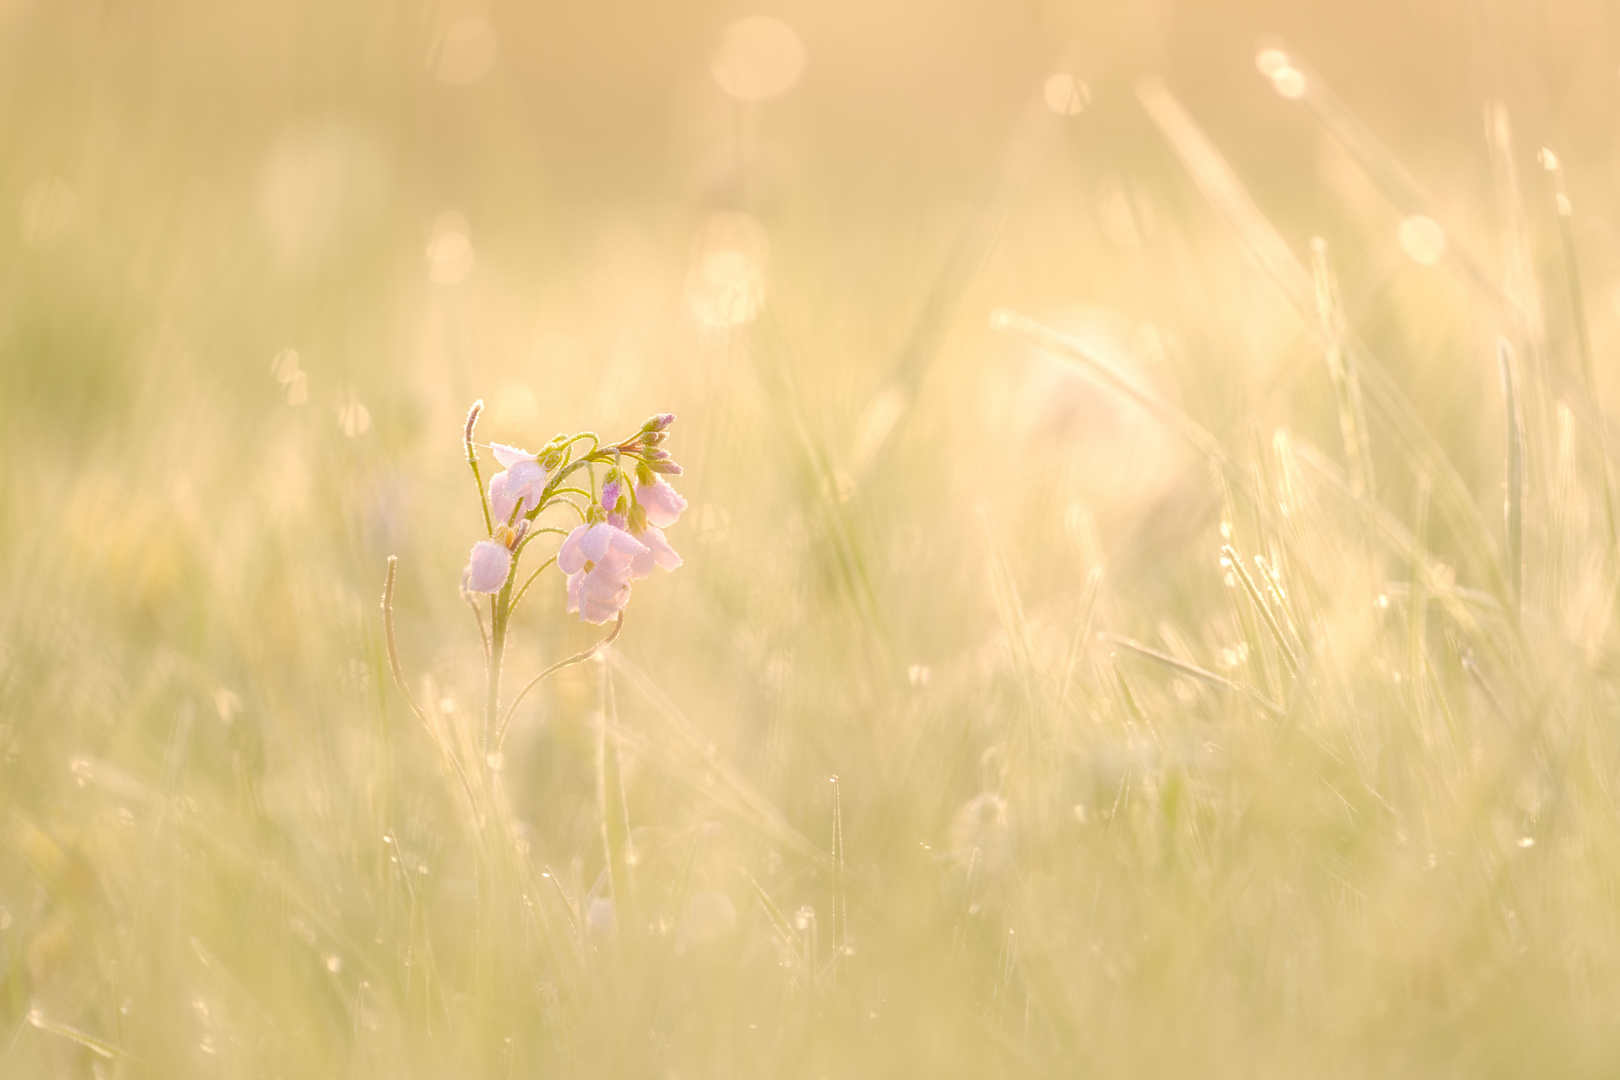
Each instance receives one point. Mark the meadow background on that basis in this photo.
(1216, 681)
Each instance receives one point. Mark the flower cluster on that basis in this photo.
(620, 535)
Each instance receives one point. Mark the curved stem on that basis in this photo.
(537, 572)
(399, 681)
(578, 657)
(478, 477)
(556, 501)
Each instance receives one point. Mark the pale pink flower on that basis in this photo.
(661, 502)
(599, 594)
(658, 553)
(523, 479)
(598, 561)
(487, 568)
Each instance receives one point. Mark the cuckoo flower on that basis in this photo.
(661, 502)
(657, 553)
(487, 569)
(523, 479)
(598, 561)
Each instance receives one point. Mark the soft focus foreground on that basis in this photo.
(1118, 635)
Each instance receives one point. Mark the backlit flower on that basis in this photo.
(487, 568)
(661, 502)
(598, 560)
(523, 479)
(657, 553)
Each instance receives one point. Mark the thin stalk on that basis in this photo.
(579, 657)
(615, 815)
(478, 617)
(1583, 334)
(1346, 387)
(500, 616)
(404, 688)
(472, 461)
(516, 600)
(1513, 473)
(1266, 614)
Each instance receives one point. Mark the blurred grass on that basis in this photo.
(1105, 803)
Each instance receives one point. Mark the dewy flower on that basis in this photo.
(598, 560)
(487, 569)
(657, 553)
(523, 479)
(661, 502)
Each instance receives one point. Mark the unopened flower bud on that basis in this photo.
(653, 438)
(487, 568)
(658, 422)
(656, 453)
(472, 420)
(611, 491)
(668, 468)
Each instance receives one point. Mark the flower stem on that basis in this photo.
(500, 614)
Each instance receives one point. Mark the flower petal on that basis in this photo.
(624, 542)
(509, 456)
(658, 545)
(595, 540)
(575, 580)
(662, 503)
(526, 477)
(487, 567)
(571, 556)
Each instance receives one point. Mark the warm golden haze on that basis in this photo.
(1138, 597)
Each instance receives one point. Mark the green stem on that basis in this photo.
(500, 615)
(478, 478)
(518, 599)
(615, 817)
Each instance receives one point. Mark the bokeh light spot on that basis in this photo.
(463, 52)
(1422, 238)
(449, 249)
(1271, 61)
(353, 417)
(726, 285)
(758, 58)
(1289, 82)
(284, 368)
